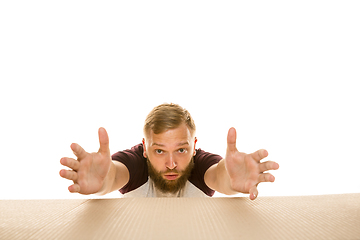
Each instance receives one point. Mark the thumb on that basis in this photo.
(231, 140)
(104, 141)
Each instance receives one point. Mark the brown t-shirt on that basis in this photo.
(135, 162)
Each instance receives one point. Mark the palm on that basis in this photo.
(92, 172)
(245, 170)
(90, 169)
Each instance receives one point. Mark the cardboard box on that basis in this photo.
(300, 217)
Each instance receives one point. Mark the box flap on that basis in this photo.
(300, 217)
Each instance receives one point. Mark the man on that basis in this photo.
(167, 163)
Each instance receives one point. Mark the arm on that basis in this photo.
(117, 178)
(94, 172)
(239, 172)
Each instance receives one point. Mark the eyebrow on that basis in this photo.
(162, 145)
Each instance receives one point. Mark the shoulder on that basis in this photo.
(203, 160)
(135, 152)
(206, 157)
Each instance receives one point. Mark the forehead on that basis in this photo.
(173, 137)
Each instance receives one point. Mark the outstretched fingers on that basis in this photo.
(104, 141)
(259, 155)
(70, 162)
(266, 177)
(75, 188)
(231, 140)
(68, 174)
(71, 175)
(253, 193)
(78, 151)
(269, 165)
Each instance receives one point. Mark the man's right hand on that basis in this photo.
(90, 169)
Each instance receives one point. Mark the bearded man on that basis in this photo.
(167, 163)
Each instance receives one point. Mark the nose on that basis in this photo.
(170, 163)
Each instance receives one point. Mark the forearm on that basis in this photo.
(117, 177)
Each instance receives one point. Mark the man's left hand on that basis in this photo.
(245, 170)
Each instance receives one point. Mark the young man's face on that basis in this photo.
(170, 157)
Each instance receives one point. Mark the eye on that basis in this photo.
(159, 151)
(182, 150)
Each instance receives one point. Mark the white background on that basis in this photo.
(284, 74)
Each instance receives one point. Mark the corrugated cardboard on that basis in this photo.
(300, 217)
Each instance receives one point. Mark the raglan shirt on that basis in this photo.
(136, 164)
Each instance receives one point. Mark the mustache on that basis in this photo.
(168, 171)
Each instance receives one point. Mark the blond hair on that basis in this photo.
(168, 116)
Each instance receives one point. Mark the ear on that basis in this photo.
(144, 146)
(195, 141)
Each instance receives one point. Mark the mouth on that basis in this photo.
(171, 176)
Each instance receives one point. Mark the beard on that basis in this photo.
(170, 186)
